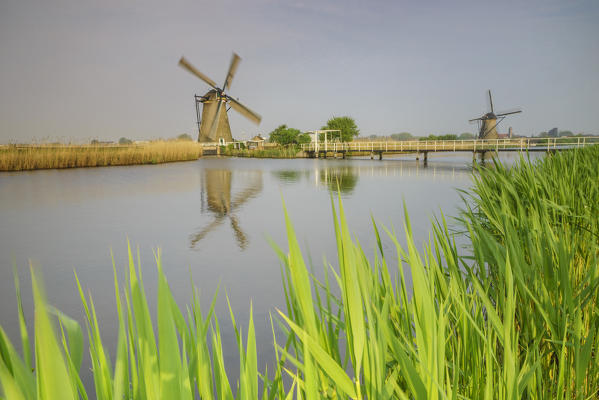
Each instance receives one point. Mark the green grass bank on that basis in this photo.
(271, 152)
(515, 315)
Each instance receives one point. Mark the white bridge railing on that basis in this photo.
(411, 146)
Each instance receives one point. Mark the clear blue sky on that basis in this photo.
(78, 70)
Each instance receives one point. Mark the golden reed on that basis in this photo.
(30, 157)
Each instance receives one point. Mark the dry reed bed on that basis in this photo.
(21, 158)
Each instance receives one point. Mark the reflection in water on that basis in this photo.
(216, 198)
(288, 175)
(346, 176)
(342, 179)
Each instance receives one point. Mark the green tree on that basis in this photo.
(402, 136)
(124, 140)
(185, 137)
(303, 138)
(346, 125)
(284, 136)
(466, 136)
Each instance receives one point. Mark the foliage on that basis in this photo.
(466, 136)
(277, 152)
(346, 125)
(440, 137)
(124, 140)
(514, 317)
(303, 138)
(185, 137)
(285, 136)
(402, 136)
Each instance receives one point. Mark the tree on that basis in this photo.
(124, 140)
(184, 136)
(402, 136)
(284, 135)
(346, 125)
(303, 138)
(466, 136)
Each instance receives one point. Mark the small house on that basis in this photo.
(257, 142)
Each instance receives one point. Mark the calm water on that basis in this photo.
(212, 217)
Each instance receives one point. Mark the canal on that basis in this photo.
(212, 218)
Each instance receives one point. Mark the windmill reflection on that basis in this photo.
(217, 199)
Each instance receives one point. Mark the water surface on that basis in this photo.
(212, 218)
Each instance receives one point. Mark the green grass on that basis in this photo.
(276, 152)
(514, 316)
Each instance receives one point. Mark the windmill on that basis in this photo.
(489, 121)
(216, 198)
(213, 125)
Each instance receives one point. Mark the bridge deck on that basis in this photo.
(476, 146)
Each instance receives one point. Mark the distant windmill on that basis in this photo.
(488, 122)
(216, 195)
(213, 125)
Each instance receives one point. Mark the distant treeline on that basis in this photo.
(409, 136)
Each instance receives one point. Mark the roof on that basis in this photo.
(257, 138)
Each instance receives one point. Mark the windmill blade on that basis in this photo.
(243, 110)
(509, 113)
(242, 240)
(232, 69)
(475, 119)
(491, 100)
(183, 63)
(215, 121)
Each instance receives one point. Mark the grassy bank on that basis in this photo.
(274, 152)
(20, 158)
(513, 316)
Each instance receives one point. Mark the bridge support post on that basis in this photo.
(380, 155)
(371, 155)
(425, 157)
(343, 154)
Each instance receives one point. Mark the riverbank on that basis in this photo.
(31, 157)
(513, 315)
(271, 152)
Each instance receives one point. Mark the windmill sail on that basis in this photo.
(214, 124)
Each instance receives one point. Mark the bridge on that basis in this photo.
(423, 147)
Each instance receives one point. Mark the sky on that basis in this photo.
(77, 70)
